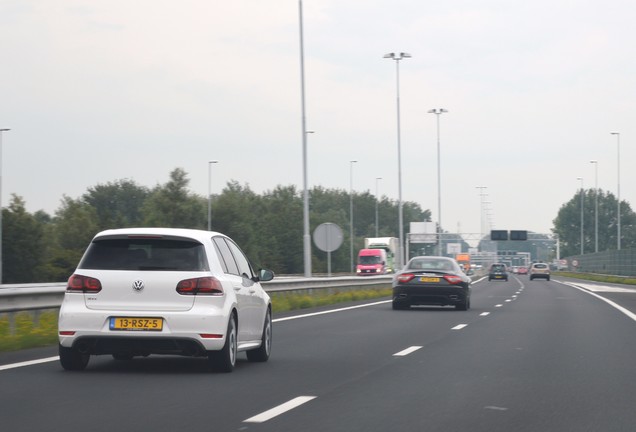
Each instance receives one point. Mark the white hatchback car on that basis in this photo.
(142, 291)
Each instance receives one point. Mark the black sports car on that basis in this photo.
(431, 280)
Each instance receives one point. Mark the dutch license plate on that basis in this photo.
(429, 279)
(137, 324)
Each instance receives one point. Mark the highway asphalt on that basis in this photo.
(528, 356)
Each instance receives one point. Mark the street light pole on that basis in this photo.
(376, 206)
(306, 237)
(351, 210)
(1, 269)
(438, 112)
(210, 193)
(595, 162)
(481, 212)
(618, 189)
(582, 195)
(397, 57)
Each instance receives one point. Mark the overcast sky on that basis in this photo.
(103, 90)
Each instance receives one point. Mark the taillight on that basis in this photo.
(200, 286)
(405, 277)
(85, 284)
(453, 280)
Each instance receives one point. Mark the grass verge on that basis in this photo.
(28, 333)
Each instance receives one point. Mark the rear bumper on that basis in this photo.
(430, 296)
(136, 346)
(181, 333)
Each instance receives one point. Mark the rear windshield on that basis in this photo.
(540, 266)
(498, 267)
(145, 254)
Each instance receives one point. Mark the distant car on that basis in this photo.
(142, 291)
(497, 272)
(431, 280)
(539, 270)
(522, 270)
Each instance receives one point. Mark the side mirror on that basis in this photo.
(265, 275)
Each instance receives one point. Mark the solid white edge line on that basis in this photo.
(407, 351)
(330, 311)
(280, 409)
(29, 363)
(627, 312)
(459, 326)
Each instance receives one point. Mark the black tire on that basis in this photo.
(531, 278)
(400, 306)
(72, 360)
(225, 360)
(548, 278)
(261, 354)
(463, 306)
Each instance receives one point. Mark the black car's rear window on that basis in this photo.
(145, 254)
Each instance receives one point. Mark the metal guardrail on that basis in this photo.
(28, 297)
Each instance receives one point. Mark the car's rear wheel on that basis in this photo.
(400, 306)
(73, 360)
(463, 306)
(225, 360)
(262, 353)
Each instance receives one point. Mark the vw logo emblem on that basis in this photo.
(138, 285)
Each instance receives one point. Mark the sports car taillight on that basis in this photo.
(453, 280)
(84, 284)
(405, 277)
(200, 286)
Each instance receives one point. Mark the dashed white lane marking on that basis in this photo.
(508, 300)
(459, 326)
(406, 351)
(484, 314)
(499, 305)
(280, 409)
(29, 363)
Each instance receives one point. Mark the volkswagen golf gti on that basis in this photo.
(143, 291)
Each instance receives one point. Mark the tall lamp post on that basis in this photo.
(438, 112)
(210, 193)
(397, 57)
(351, 210)
(482, 194)
(582, 195)
(595, 162)
(1, 131)
(618, 189)
(377, 225)
(306, 237)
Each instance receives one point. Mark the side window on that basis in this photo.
(243, 264)
(227, 260)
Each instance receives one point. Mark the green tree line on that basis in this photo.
(40, 247)
(567, 224)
